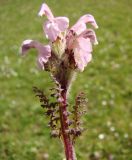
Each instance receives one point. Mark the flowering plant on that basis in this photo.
(69, 51)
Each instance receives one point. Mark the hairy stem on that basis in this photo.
(68, 146)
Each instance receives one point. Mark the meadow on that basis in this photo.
(24, 134)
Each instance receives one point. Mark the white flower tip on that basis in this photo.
(47, 36)
(96, 43)
(66, 19)
(24, 45)
(41, 12)
(28, 41)
(96, 26)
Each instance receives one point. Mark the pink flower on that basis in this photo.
(80, 40)
(73, 46)
(54, 25)
(44, 52)
(80, 26)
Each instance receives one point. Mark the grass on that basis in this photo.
(106, 81)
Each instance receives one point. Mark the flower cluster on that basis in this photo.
(70, 46)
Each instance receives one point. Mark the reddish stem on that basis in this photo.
(68, 146)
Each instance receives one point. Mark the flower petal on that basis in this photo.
(82, 55)
(80, 26)
(44, 55)
(45, 10)
(88, 18)
(51, 30)
(89, 33)
(84, 44)
(44, 52)
(62, 22)
(26, 45)
(82, 58)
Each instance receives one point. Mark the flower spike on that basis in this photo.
(70, 51)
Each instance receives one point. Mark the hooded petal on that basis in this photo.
(44, 52)
(53, 26)
(88, 18)
(89, 33)
(51, 30)
(45, 10)
(82, 55)
(80, 26)
(62, 22)
(26, 45)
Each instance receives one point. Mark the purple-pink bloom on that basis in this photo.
(82, 49)
(82, 55)
(54, 25)
(89, 33)
(80, 25)
(80, 40)
(44, 52)
(76, 41)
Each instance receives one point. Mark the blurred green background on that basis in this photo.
(24, 134)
